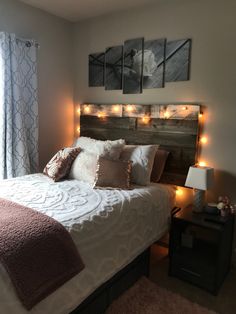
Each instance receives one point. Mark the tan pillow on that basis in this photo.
(113, 174)
(159, 164)
(59, 166)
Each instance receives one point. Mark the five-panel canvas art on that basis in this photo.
(140, 65)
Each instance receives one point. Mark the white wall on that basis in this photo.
(211, 24)
(55, 68)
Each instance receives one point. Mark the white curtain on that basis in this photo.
(18, 107)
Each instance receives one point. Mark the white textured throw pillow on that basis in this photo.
(108, 149)
(84, 168)
(142, 157)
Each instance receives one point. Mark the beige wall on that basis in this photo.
(55, 78)
(211, 24)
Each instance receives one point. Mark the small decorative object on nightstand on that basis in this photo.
(201, 179)
(200, 248)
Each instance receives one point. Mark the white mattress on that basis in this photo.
(110, 228)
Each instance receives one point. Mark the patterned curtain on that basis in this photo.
(18, 107)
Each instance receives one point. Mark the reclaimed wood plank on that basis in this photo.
(141, 137)
(108, 122)
(168, 125)
(131, 110)
(105, 110)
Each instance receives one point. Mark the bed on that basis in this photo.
(112, 229)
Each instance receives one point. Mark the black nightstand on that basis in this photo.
(200, 248)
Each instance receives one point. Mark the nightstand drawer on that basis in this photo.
(197, 276)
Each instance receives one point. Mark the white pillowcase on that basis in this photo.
(142, 157)
(108, 149)
(84, 168)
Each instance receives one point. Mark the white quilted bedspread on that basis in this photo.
(109, 227)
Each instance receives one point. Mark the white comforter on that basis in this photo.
(109, 227)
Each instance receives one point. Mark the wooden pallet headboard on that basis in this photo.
(174, 127)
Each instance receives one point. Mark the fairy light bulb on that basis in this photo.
(179, 192)
(185, 108)
(200, 116)
(101, 114)
(146, 119)
(166, 114)
(87, 109)
(116, 108)
(130, 108)
(78, 129)
(203, 139)
(78, 110)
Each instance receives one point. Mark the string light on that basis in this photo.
(146, 119)
(200, 116)
(179, 192)
(166, 114)
(203, 139)
(185, 108)
(78, 110)
(78, 129)
(87, 109)
(115, 108)
(101, 114)
(130, 108)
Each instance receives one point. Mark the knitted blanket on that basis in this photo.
(37, 252)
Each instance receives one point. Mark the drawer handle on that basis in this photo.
(190, 272)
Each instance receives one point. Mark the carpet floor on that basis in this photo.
(145, 297)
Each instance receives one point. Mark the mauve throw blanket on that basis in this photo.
(37, 252)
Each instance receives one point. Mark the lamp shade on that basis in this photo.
(200, 178)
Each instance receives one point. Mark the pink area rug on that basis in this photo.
(146, 297)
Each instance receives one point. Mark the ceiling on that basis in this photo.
(75, 10)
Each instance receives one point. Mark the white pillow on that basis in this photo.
(84, 168)
(142, 157)
(108, 149)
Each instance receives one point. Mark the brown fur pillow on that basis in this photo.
(59, 166)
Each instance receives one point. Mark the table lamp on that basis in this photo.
(200, 179)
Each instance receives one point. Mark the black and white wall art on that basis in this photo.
(139, 65)
(154, 63)
(177, 60)
(96, 69)
(133, 66)
(113, 68)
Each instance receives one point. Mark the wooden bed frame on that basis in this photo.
(102, 297)
(173, 127)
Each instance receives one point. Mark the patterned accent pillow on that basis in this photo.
(59, 166)
(113, 174)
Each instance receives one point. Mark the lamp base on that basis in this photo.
(198, 200)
